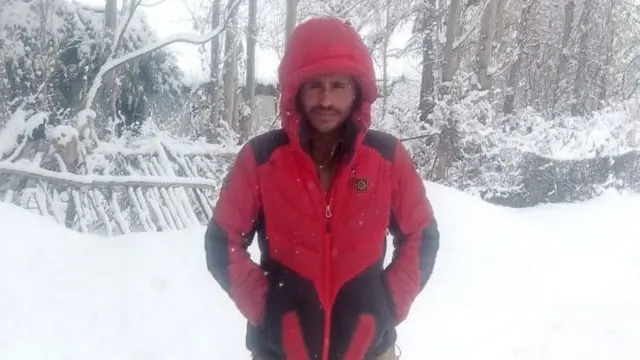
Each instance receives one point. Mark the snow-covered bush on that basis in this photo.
(513, 159)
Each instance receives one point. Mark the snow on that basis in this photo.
(90, 181)
(11, 131)
(19, 124)
(62, 134)
(550, 282)
(143, 146)
(614, 130)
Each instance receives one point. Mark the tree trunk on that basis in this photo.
(110, 89)
(485, 45)
(210, 129)
(562, 59)
(514, 68)
(448, 61)
(230, 70)
(579, 83)
(427, 84)
(499, 34)
(246, 122)
(448, 138)
(290, 21)
(607, 45)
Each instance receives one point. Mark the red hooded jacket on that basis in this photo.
(320, 290)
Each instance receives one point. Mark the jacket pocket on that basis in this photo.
(383, 334)
(267, 319)
(388, 298)
(292, 340)
(362, 338)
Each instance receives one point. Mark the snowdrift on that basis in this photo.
(552, 282)
(71, 296)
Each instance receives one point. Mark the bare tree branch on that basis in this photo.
(92, 181)
(156, 3)
(122, 27)
(190, 39)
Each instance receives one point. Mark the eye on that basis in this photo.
(314, 85)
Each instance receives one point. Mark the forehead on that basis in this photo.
(331, 78)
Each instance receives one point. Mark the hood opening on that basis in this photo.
(318, 47)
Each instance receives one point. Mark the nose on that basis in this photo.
(325, 99)
(325, 96)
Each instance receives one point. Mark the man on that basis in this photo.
(321, 193)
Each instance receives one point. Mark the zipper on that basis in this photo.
(328, 250)
(328, 213)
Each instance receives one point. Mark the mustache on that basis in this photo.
(319, 109)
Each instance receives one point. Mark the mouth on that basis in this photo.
(327, 118)
(325, 114)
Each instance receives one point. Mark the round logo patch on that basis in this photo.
(361, 185)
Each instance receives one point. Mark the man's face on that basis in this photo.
(327, 101)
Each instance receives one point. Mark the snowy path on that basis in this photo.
(553, 282)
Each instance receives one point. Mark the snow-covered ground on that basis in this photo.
(552, 282)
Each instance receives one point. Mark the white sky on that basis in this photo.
(171, 17)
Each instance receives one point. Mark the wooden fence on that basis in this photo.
(155, 188)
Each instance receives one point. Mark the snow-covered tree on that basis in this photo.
(53, 49)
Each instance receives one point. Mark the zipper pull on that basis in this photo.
(327, 212)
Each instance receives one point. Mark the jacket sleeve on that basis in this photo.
(229, 234)
(416, 236)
